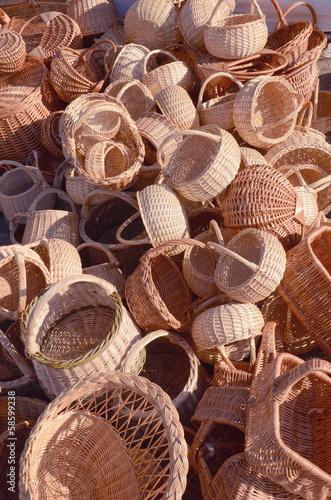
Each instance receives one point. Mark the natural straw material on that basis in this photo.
(92, 16)
(50, 136)
(322, 111)
(175, 103)
(13, 51)
(129, 63)
(135, 96)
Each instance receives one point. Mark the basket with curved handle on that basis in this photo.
(99, 246)
(117, 31)
(4, 18)
(99, 196)
(221, 249)
(61, 194)
(152, 54)
(283, 21)
(213, 77)
(290, 116)
(24, 366)
(97, 87)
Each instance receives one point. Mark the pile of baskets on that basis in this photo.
(167, 287)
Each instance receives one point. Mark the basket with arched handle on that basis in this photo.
(94, 17)
(175, 103)
(135, 96)
(129, 63)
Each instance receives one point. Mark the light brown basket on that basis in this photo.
(265, 111)
(176, 105)
(251, 266)
(77, 187)
(322, 111)
(62, 346)
(135, 96)
(19, 187)
(13, 51)
(23, 276)
(99, 261)
(291, 398)
(217, 111)
(23, 9)
(116, 33)
(171, 364)
(173, 73)
(306, 284)
(92, 16)
(271, 204)
(194, 16)
(238, 35)
(152, 24)
(129, 64)
(46, 33)
(227, 324)
(48, 223)
(50, 136)
(250, 156)
(303, 77)
(105, 161)
(203, 165)
(142, 420)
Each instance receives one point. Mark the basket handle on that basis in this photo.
(299, 4)
(308, 106)
(267, 351)
(118, 34)
(101, 247)
(59, 192)
(126, 224)
(283, 383)
(22, 298)
(285, 119)
(321, 184)
(154, 53)
(214, 77)
(203, 432)
(21, 363)
(19, 218)
(4, 18)
(295, 171)
(215, 227)
(280, 13)
(49, 16)
(159, 157)
(219, 249)
(99, 196)
(321, 220)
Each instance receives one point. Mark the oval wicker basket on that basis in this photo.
(94, 17)
(50, 135)
(13, 51)
(135, 96)
(177, 106)
(129, 64)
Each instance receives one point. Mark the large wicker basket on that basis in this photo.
(92, 16)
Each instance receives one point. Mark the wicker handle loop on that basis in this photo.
(99, 246)
(294, 170)
(285, 119)
(253, 267)
(212, 78)
(19, 218)
(159, 157)
(133, 354)
(20, 362)
(126, 224)
(99, 196)
(117, 32)
(299, 4)
(154, 53)
(4, 18)
(22, 299)
(280, 13)
(215, 227)
(204, 430)
(308, 106)
(258, 8)
(321, 220)
(59, 192)
(283, 383)
(321, 184)
(267, 351)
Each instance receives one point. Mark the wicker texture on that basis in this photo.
(306, 284)
(21, 8)
(204, 164)
(129, 64)
(265, 111)
(250, 266)
(194, 16)
(177, 106)
(171, 364)
(23, 276)
(99, 261)
(63, 347)
(77, 186)
(141, 417)
(50, 136)
(262, 198)
(303, 77)
(152, 24)
(92, 16)
(13, 51)
(291, 398)
(46, 33)
(322, 112)
(134, 95)
(250, 156)
(238, 35)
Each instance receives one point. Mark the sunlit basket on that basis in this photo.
(250, 156)
(176, 104)
(129, 64)
(115, 423)
(92, 16)
(63, 346)
(13, 51)
(135, 96)
(50, 135)
(322, 111)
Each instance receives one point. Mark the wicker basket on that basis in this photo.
(291, 398)
(63, 347)
(172, 365)
(13, 51)
(23, 9)
(249, 157)
(322, 111)
(23, 276)
(203, 165)
(238, 35)
(194, 16)
(129, 64)
(306, 284)
(177, 106)
(99, 261)
(303, 77)
(251, 266)
(77, 186)
(50, 135)
(134, 95)
(265, 111)
(135, 415)
(46, 33)
(94, 17)
(152, 24)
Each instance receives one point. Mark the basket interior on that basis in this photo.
(237, 20)
(321, 248)
(16, 182)
(134, 99)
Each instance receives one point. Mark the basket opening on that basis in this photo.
(134, 99)
(150, 152)
(237, 20)
(321, 249)
(91, 256)
(16, 182)
(167, 365)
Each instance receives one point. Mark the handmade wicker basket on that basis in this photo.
(129, 64)
(177, 106)
(13, 51)
(50, 135)
(135, 96)
(322, 111)
(92, 16)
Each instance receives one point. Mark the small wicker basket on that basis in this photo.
(13, 51)
(94, 17)
(177, 106)
(135, 96)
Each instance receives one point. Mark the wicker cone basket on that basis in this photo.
(98, 261)
(46, 33)
(171, 364)
(50, 136)
(152, 24)
(135, 96)
(19, 187)
(203, 165)
(238, 35)
(129, 64)
(194, 16)
(47, 223)
(291, 398)
(173, 73)
(23, 275)
(265, 111)
(94, 17)
(136, 415)
(62, 346)
(177, 106)
(251, 266)
(13, 51)
(218, 111)
(306, 284)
